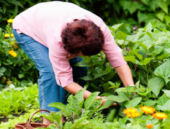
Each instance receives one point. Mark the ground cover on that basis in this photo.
(146, 105)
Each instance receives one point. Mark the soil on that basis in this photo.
(5, 119)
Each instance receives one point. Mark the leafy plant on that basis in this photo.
(10, 124)
(15, 66)
(16, 100)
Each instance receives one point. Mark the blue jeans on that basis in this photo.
(49, 90)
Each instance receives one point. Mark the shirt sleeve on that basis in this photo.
(60, 64)
(112, 51)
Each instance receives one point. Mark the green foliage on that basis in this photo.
(15, 66)
(21, 119)
(78, 113)
(16, 100)
(138, 12)
(10, 8)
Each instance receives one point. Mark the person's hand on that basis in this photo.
(104, 100)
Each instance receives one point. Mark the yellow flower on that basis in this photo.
(12, 53)
(134, 115)
(12, 35)
(11, 43)
(131, 112)
(147, 110)
(160, 115)
(6, 35)
(149, 126)
(10, 20)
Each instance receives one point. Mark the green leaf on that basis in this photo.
(130, 58)
(94, 107)
(49, 117)
(80, 97)
(167, 20)
(156, 50)
(83, 64)
(163, 56)
(167, 92)
(145, 2)
(143, 17)
(57, 118)
(87, 78)
(138, 55)
(161, 100)
(150, 103)
(106, 104)
(134, 102)
(68, 125)
(2, 69)
(126, 92)
(163, 71)
(62, 107)
(153, 4)
(113, 85)
(86, 58)
(160, 15)
(21, 75)
(90, 100)
(116, 98)
(74, 105)
(148, 27)
(146, 61)
(120, 35)
(126, 28)
(165, 106)
(80, 123)
(134, 6)
(156, 84)
(163, 5)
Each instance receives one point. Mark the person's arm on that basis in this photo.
(125, 75)
(74, 88)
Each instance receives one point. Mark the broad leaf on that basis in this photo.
(83, 64)
(80, 97)
(62, 107)
(163, 71)
(134, 102)
(106, 104)
(156, 84)
(116, 98)
(165, 106)
(94, 107)
(167, 92)
(74, 105)
(150, 103)
(67, 125)
(90, 100)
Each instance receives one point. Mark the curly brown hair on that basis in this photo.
(82, 36)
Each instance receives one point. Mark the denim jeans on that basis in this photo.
(49, 90)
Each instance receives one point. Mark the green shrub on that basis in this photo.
(15, 65)
(137, 12)
(10, 8)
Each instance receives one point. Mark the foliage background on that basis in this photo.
(112, 11)
(21, 70)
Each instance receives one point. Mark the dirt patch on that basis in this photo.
(3, 119)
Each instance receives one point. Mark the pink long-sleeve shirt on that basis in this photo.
(45, 21)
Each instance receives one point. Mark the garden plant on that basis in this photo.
(146, 50)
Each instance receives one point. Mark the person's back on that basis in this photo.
(41, 20)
